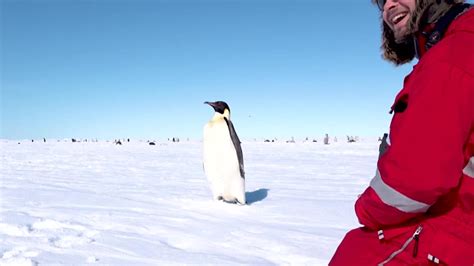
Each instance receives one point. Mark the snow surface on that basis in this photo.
(136, 204)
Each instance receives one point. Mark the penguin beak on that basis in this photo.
(216, 107)
(211, 104)
(219, 107)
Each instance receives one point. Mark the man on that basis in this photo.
(419, 208)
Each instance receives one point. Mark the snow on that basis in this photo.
(101, 203)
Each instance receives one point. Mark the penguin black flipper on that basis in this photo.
(238, 149)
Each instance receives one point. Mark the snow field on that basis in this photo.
(100, 203)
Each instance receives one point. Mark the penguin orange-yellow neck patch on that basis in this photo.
(218, 116)
(227, 113)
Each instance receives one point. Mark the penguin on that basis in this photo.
(222, 156)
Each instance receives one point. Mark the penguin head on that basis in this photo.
(221, 108)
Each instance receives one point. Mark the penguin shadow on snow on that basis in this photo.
(255, 196)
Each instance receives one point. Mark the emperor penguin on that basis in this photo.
(222, 156)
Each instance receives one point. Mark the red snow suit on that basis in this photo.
(419, 208)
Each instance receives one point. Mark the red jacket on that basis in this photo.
(419, 208)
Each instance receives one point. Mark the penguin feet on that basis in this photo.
(240, 203)
(233, 201)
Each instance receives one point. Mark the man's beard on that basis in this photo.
(402, 35)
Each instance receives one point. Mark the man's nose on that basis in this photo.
(389, 4)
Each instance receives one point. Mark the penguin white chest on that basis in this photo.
(221, 163)
(220, 156)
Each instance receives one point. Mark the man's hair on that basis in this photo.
(426, 12)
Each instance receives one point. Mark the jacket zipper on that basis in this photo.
(415, 237)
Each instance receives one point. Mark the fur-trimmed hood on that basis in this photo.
(426, 12)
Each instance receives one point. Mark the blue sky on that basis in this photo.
(142, 69)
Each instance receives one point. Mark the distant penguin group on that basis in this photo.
(222, 156)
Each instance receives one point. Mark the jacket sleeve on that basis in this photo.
(424, 159)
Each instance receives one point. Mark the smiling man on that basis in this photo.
(397, 14)
(419, 207)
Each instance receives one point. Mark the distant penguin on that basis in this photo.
(222, 156)
(326, 139)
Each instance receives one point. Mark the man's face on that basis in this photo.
(397, 14)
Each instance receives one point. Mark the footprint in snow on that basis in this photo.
(64, 234)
